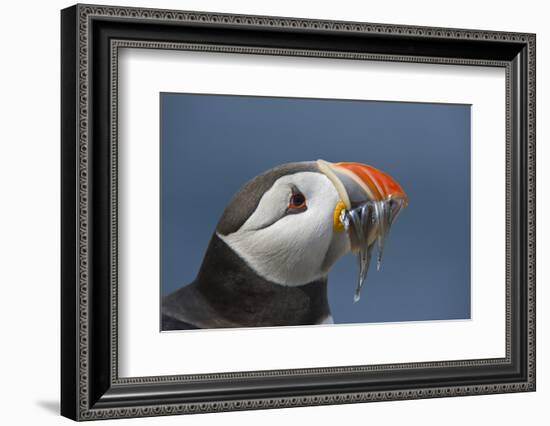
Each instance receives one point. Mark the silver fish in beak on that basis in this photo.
(370, 201)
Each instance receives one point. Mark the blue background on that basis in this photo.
(211, 145)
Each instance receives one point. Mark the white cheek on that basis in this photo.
(293, 250)
(339, 246)
(327, 320)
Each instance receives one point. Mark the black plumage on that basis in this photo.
(228, 293)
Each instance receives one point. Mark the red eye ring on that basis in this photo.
(297, 201)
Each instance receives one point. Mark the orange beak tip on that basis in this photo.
(382, 185)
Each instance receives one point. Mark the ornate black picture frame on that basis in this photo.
(91, 387)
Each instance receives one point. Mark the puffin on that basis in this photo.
(269, 256)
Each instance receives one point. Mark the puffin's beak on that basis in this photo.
(359, 183)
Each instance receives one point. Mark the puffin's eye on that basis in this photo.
(297, 201)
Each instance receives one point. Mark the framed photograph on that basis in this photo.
(263, 212)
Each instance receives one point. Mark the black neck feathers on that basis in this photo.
(228, 293)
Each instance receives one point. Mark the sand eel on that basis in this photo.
(268, 260)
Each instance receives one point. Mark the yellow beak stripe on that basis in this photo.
(336, 224)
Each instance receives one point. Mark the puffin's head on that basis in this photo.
(285, 223)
